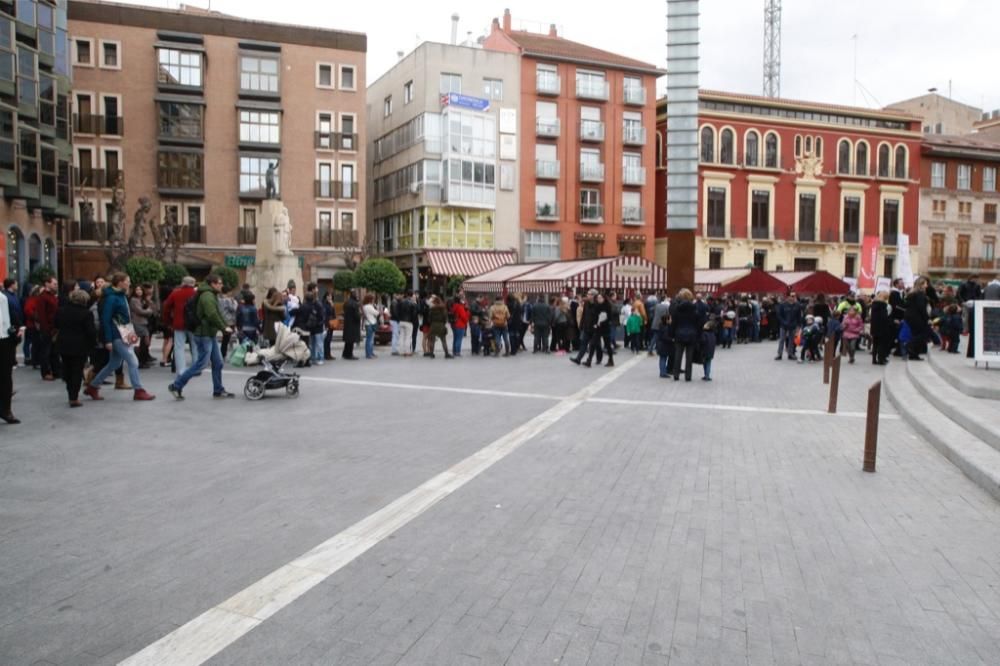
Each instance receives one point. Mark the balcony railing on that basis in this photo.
(716, 231)
(246, 235)
(347, 141)
(104, 125)
(889, 238)
(193, 234)
(852, 236)
(591, 130)
(635, 95)
(807, 234)
(335, 238)
(89, 231)
(633, 135)
(325, 189)
(962, 263)
(634, 175)
(347, 189)
(590, 88)
(760, 233)
(547, 169)
(591, 173)
(88, 178)
(546, 211)
(591, 213)
(324, 140)
(547, 127)
(112, 177)
(633, 215)
(547, 83)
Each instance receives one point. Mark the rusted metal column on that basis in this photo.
(834, 384)
(871, 426)
(827, 359)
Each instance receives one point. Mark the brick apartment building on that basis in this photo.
(797, 185)
(189, 107)
(35, 153)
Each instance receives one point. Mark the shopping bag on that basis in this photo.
(238, 357)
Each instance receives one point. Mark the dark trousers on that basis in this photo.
(413, 342)
(73, 374)
(559, 341)
(475, 337)
(348, 350)
(42, 354)
(30, 335)
(541, 339)
(226, 339)
(584, 344)
(327, 341)
(881, 348)
(685, 350)
(8, 359)
(598, 339)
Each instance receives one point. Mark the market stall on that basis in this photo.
(715, 281)
(624, 274)
(810, 283)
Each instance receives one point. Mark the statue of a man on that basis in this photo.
(283, 234)
(137, 241)
(272, 192)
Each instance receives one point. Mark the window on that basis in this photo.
(989, 249)
(631, 207)
(407, 92)
(805, 264)
(7, 146)
(589, 248)
(852, 220)
(347, 77)
(716, 212)
(541, 245)
(493, 89)
(591, 84)
(989, 213)
(348, 185)
(901, 158)
(760, 259)
(181, 121)
(180, 171)
(819, 146)
(937, 174)
(798, 145)
(752, 152)
(861, 159)
(807, 217)
(194, 216)
(964, 176)
(883, 161)
(258, 74)
(940, 206)
(760, 214)
(324, 183)
(347, 220)
(387, 107)
(707, 144)
(890, 221)
(179, 68)
(850, 265)
(545, 201)
(808, 146)
(28, 156)
(253, 176)
(112, 115)
(260, 127)
(472, 134)
(844, 157)
(347, 137)
(471, 180)
(324, 132)
(889, 265)
(109, 55)
(590, 206)
(715, 257)
(989, 179)
(27, 76)
(324, 75)
(247, 233)
(83, 52)
(112, 166)
(25, 11)
(771, 150)
(726, 150)
(546, 78)
(965, 209)
(450, 83)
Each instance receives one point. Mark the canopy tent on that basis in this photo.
(467, 262)
(623, 273)
(810, 283)
(495, 281)
(737, 281)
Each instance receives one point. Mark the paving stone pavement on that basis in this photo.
(623, 534)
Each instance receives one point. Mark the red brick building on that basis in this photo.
(797, 185)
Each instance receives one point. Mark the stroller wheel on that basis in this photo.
(292, 388)
(253, 389)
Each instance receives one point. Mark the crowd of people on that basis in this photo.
(87, 331)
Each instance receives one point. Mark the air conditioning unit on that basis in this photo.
(414, 188)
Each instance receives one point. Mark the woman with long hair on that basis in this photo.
(437, 317)
(274, 312)
(142, 310)
(883, 330)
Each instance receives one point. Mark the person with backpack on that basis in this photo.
(173, 312)
(202, 316)
(247, 320)
(308, 323)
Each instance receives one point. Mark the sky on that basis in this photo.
(901, 48)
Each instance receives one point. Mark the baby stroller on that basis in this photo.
(287, 347)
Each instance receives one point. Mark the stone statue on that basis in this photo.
(282, 234)
(272, 192)
(137, 239)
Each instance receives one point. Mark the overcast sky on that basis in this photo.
(904, 47)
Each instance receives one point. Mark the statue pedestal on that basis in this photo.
(275, 264)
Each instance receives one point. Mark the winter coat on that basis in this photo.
(77, 333)
(273, 314)
(114, 310)
(352, 321)
(309, 317)
(789, 315)
(881, 321)
(916, 314)
(228, 307)
(459, 315)
(437, 318)
(707, 344)
(852, 327)
(992, 291)
(45, 311)
(664, 340)
(499, 314)
(173, 307)
(408, 312)
(210, 320)
(247, 321)
(685, 323)
(542, 315)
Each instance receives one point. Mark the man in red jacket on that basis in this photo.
(173, 312)
(45, 320)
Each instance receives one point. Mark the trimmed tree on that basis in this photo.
(173, 274)
(40, 275)
(144, 270)
(380, 276)
(455, 283)
(344, 280)
(230, 278)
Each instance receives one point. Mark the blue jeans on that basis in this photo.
(316, 346)
(786, 340)
(708, 368)
(475, 334)
(664, 370)
(458, 334)
(395, 336)
(120, 353)
(369, 340)
(206, 348)
(181, 340)
(502, 334)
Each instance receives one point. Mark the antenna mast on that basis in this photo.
(772, 48)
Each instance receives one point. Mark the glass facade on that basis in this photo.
(436, 227)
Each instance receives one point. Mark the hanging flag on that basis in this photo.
(905, 269)
(869, 263)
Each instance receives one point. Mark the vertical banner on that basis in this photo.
(3, 256)
(905, 269)
(869, 262)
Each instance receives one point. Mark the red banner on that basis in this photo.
(869, 263)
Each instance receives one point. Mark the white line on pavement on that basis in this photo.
(211, 632)
(737, 408)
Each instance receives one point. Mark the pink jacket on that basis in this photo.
(852, 327)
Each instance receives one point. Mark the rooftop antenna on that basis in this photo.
(772, 48)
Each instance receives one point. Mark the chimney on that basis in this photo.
(506, 20)
(552, 30)
(399, 55)
(454, 29)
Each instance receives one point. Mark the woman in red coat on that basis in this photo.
(460, 323)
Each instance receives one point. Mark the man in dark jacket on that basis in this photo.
(588, 320)
(9, 334)
(210, 323)
(970, 290)
(77, 338)
(541, 320)
(352, 326)
(45, 321)
(789, 314)
(477, 314)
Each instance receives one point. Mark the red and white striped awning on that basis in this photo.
(468, 263)
(620, 273)
(495, 281)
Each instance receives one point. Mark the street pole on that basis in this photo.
(871, 426)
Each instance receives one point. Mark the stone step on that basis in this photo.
(979, 416)
(961, 373)
(977, 459)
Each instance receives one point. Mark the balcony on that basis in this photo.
(807, 234)
(325, 189)
(716, 231)
(546, 210)
(98, 125)
(592, 88)
(347, 141)
(962, 263)
(633, 215)
(546, 169)
(88, 178)
(851, 236)
(347, 189)
(635, 96)
(591, 130)
(547, 127)
(760, 233)
(246, 235)
(324, 140)
(634, 175)
(112, 178)
(633, 135)
(547, 83)
(890, 239)
(591, 213)
(335, 238)
(193, 234)
(591, 173)
(89, 231)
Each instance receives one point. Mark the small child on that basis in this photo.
(633, 329)
(728, 326)
(665, 346)
(708, 349)
(489, 346)
(812, 333)
(951, 328)
(833, 330)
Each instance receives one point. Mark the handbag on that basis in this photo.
(238, 357)
(127, 331)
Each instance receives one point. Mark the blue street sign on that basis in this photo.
(465, 101)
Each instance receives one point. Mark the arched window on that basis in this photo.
(50, 253)
(883, 161)
(819, 146)
(900, 161)
(861, 159)
(771, 151)
(798, 145)
(726, 140)
(844, 157)
(752, 155)
(34, 252)
(809, 145)
(15, 254)
(707, 144)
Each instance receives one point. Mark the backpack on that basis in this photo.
(312, 319)
(191, 319)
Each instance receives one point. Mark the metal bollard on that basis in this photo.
(827, 359)
(834, 384)
(871, 426)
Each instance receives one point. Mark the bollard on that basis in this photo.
(834, 384)
(827, 359)
(871, 426)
